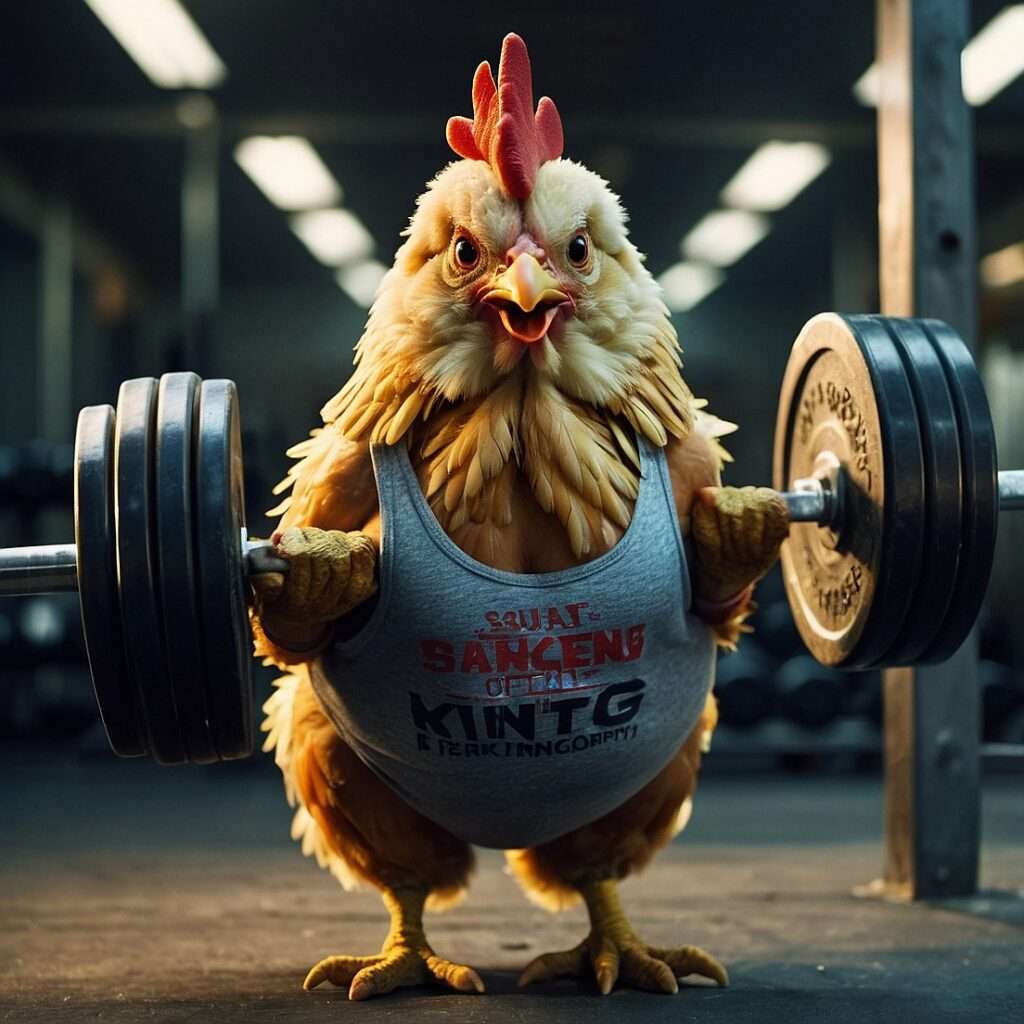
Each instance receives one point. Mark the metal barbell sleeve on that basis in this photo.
(53, 568)
(818, 500)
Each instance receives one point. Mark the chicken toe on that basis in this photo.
(406, 959)
(613, 953)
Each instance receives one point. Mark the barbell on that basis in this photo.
(883, 431)
(160, 562)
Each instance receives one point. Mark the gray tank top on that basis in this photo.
(512, 708)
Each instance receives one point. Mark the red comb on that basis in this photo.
(504, 131)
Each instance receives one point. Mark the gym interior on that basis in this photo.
(219, 187)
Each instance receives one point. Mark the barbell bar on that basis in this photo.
(883, 432)
(53, 568)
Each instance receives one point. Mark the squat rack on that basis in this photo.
(927, 267)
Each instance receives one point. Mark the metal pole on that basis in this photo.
(56, 282)
(927, 265)
(200, 225)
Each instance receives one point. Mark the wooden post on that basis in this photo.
(928, 268)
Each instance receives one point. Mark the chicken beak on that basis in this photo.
(527, 299)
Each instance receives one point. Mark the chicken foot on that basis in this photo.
(405, 959)
(613, 952)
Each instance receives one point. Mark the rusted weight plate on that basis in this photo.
(845, 396)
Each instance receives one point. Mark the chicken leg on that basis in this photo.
(615, 953)
(405, 959)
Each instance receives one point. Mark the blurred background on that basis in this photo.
(218, 185)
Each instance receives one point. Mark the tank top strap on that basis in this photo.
(660, 505)
(404, 530)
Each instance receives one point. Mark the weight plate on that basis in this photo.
(220, 520)
(97, 581)
(943, 486)
(137, 572)
(179, 583)
(845, 397)
(981, 488)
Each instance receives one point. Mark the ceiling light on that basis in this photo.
(989, 63)
(867, 88)
(775, 174)
(361, 280)
(994, 57)
(334, 237)
(288, 171)
(1004, 267)
(686, 284)
(163, 40)
(723, 236)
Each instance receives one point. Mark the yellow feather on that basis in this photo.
(645, 421)
(625, 442)
(454, 489)
(438, 476)
(407, 412)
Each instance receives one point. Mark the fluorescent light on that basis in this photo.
(867, 88)
(775, 174)
(361, 280)
(989, 63)
(163, 40)
(288, 171)
(994, 57)
(1004, 267)
(334, 237)
(686, 284)
(723, 236)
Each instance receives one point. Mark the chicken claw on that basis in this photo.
(405, 959)
(329, 573)
(738, 532)
(400, 967)
(614, 953)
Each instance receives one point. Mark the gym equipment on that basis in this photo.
(159, 561)
(745, 686)
(809, 694)
(886, 422)
(883, 431)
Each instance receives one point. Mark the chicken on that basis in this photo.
(519, 362)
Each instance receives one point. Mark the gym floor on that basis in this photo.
(130, 892)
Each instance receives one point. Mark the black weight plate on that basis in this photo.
(845, 396)
(97, 581)
(177, 408)
(137, 570)
(981, 488)
(219, 522)
(943, 485)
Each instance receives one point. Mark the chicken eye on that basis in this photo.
(466, 253)
(578, 250)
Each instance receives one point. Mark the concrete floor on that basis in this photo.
(132, 893)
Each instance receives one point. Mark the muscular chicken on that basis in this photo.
(509, 552)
